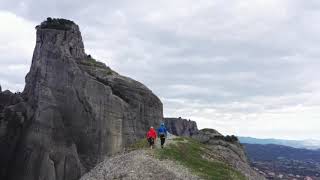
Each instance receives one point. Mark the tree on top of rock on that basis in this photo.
(56, 23)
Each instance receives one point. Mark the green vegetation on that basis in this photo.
(93, 62)
(56, 23)
(190, 154)
(209, 130)
(231, 138)
(179, 139)
(90, 61)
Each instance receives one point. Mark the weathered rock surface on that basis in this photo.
(181, 127)
(72, 112)
(227, 149)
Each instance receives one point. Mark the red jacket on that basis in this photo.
(152, 133)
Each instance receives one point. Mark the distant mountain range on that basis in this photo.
(305, 144)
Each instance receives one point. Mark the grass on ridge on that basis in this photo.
(179, 139)
(93, 62)
(188, 153)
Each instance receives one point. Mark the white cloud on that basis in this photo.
(17, 40)
(285, 117)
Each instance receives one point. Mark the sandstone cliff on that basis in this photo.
(181, 127)
(72, 112)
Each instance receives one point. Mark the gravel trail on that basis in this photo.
(139, 165)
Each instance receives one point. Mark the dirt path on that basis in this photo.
(169, 140)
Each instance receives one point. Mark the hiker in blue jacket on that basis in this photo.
(162, 133)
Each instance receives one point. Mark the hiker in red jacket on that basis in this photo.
(151, 136)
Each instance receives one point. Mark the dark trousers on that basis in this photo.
(163, 139)
(151, 141)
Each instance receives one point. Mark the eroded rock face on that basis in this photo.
(73, 111)
(226, 149)
(181, 127)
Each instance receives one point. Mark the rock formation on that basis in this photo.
(181, 127)
(72, 112)
(223, 148)
(228, 150)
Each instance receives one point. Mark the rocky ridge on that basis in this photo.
(139, 164)
(227, 149)
(158, 164)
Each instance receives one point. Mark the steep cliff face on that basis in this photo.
(181, 127)
(73, 110)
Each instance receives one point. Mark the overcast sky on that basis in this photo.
(244, 67)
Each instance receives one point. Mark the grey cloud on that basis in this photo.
(207, 53)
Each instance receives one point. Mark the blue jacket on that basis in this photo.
(162, 130)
